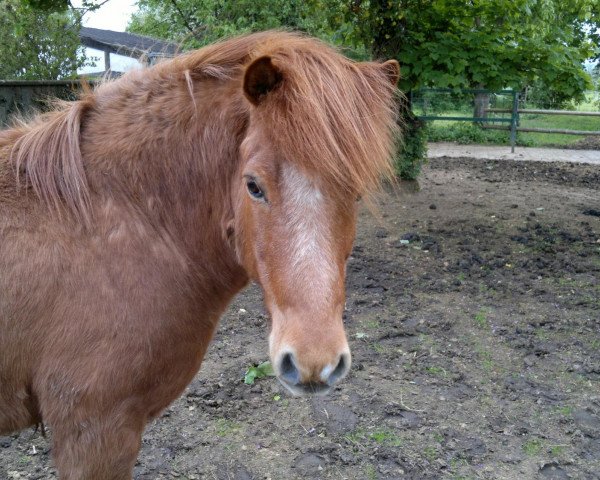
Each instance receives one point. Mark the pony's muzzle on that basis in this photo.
(312, 379)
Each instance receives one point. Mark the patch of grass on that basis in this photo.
(555, 121)
(481, 319)
(379, 348)
(386, 437)
(226, 428)
(541, 333)
(370, 472)
(437, 371)
(458, 462)
(430, 453)
(487, 361)
(594, 343)
(532, 447)
(557, 450)
(565, 411)
(381, 436)
(372, 324)
(465, 133)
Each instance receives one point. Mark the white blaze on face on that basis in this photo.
(308, 230)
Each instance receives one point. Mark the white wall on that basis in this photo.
(118, 63)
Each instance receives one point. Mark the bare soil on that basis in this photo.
(473, 315)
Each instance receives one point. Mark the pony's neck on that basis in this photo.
(171, 150)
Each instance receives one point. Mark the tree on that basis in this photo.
(194, 23)
(38, 44)
(490, 44)
(484, 44)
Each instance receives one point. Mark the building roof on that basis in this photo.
(127, 44)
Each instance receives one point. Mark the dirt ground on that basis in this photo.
(473, 315)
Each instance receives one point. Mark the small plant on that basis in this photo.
(430, 453)
(557, 450)
(532, 447)
(370, 472)
(226, 427)
(481, 319)
(265, 369)
(565, 411)
(382, 436)
(372, 324)
(438, 371)
(386, 437)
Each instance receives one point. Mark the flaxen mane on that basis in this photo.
(330, 115)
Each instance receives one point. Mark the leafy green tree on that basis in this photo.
(485, 44)
(490, 44)
(194, 23)
(38, 44)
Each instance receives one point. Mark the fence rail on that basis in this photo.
(545, 112)
(526, 111)
(544, 130)
(487, 122)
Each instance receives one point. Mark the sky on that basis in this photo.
(113, 15)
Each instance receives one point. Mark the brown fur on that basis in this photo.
(121, 241)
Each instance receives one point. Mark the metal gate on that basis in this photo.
(426, 110)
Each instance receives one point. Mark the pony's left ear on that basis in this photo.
(260, 78)
(392, 70)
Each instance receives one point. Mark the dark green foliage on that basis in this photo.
(47, 5)
(195, 23)
(36, 44)
(543, 96)
(412, 150)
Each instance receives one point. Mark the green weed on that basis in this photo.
(532, 447)
(438, 371)
(226, 428)
(481, 319)
(430, 453)
(557, 450)
(565, 411)
(382, 436)
(265, 369)
(370, 472)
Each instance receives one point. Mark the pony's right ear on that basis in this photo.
(260, 78)
(392, 70)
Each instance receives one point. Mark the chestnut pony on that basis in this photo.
(131, 217)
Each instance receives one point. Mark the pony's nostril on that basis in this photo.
(288, 370)
(340, 371)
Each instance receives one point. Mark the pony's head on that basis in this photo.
(320, 135)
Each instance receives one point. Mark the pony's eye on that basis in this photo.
(254, 190)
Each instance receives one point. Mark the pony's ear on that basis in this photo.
(392, 70)
(260, 78)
